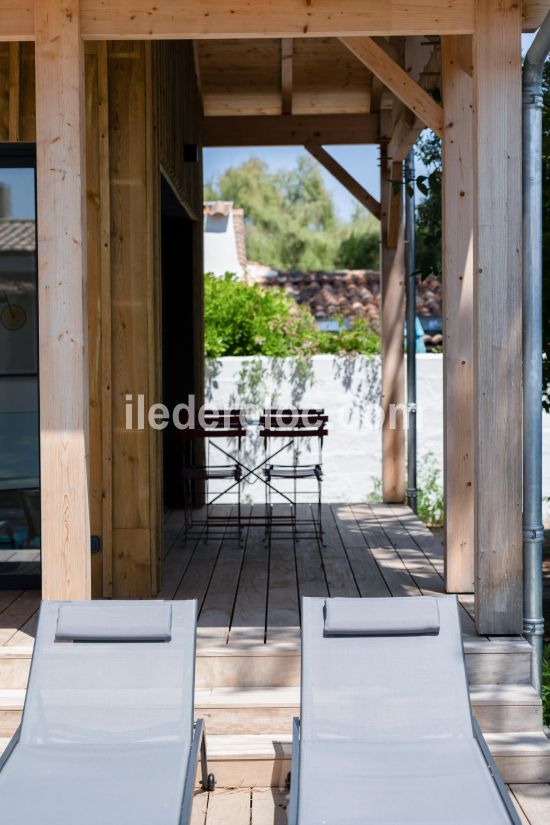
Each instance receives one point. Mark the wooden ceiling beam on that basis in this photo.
(290, 130)
(214, 19)
(376, 59)
(343, 176)
(287, 51)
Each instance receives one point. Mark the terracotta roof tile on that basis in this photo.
(17, 235)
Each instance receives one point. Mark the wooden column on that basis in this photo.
(392, 323)
(458, 318)
(62, 300)
(497, 313)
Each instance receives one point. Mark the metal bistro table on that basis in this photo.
(298, 430)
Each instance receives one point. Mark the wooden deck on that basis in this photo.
(250, 593)
(249, 605)
(267, 806)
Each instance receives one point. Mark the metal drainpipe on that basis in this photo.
(533, 531)
(410, 275)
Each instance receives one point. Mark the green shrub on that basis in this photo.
(244, 319)
(430, 491)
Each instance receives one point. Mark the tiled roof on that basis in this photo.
(351, 294)
(17, 235)
(222, 208)
(240, 237)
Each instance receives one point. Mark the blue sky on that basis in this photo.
(360, 161)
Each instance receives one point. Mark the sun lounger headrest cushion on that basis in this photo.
(111, 622)
(411, 616)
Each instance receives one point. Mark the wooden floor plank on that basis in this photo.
(199, 810)
(534, 802)
(17, 614)
(309, 562)
(392, 567)
(421, 536)
(366, 572)
(219, 601)
(174, 566)
(282, 599)
(196, 579)
(338, 572)
(229, 807)
(269, 807)
(427, 579)
(249, 616)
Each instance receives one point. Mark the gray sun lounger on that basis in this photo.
(107, 736)
(386, 733)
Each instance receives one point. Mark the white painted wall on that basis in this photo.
(348, 387)
(220, 245)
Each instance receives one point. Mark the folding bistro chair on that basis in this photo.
(292, 431)
(216, 424)
(386, 733)
(107, 736)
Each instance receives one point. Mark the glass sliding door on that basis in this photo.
(19, 424)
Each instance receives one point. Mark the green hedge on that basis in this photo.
(244, 319)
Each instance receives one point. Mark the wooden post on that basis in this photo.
(62, 300)
(392, 323)
(497, 316)
(458, 318)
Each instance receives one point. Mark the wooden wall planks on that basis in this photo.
(142, 105)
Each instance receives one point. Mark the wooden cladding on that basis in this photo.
(17, 92)
(141, 106)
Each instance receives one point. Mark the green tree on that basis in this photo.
(428, 212)
(289, 214)
(290, 218)
(360, 248)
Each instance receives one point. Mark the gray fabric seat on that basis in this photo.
(386, 734)
(107, 726)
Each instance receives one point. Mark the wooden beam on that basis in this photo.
(208, 20)
(211, 19)
(290, 130)
(14, 92)
(406, 130)
(375, 58)
(458, 321)
(61, 211)
(392, 330)
(17, 20)
(344, 177)
(497, 317)
(395, 209)
(287, 48)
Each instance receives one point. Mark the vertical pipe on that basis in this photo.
(533, 530)
(410, 276)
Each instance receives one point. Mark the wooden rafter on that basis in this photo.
(342, 176)
(287, 49)
(290, 130)
(375, 58)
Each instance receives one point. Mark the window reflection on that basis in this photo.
(19, 427)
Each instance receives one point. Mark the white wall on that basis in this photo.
(348, 387)
(220, 245)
